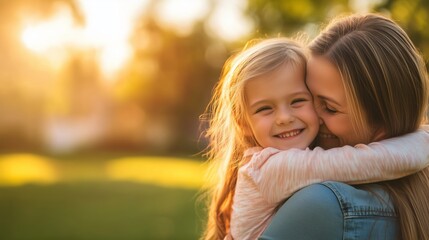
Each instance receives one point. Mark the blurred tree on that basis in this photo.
(171, 78)
(285, 18)
(413, 16)
(24, 79)
(289, 17)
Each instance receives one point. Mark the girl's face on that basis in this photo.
(325, 83)
(280, 109)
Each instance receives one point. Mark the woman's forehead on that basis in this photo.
(324, 79)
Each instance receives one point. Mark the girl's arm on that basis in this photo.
(278, 174)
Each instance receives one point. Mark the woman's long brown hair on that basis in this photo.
(386, 86)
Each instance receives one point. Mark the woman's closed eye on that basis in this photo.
(329, 109)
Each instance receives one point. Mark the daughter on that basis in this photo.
(262, 101)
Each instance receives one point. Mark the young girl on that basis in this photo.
(262, 101)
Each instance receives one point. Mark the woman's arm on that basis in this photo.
(278, 174)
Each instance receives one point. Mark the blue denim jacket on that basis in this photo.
(333, 210)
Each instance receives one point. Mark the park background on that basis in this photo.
(100, 105)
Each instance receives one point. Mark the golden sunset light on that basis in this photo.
(112, 112)
(106, 31)
(181, 15)
(55, 33)
(108, 26)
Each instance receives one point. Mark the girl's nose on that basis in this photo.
(284, 117)
(321, 121)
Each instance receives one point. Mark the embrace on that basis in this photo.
(324, 141)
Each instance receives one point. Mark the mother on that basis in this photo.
(369, 83)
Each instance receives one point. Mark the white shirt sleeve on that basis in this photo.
(278, 174)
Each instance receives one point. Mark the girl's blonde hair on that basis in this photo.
(386, 85)
(228, 120)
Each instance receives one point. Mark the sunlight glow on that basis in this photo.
(52, 34)
(107, 28)
(19, 169)
(160, 171)
(52, 39)
(181, 15)
(109, 24)
(228, 21)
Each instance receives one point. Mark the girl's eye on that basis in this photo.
(298, 100)
(261, 109)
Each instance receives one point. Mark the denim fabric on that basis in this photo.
(333, 210)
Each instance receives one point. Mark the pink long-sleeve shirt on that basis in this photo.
(272, 175)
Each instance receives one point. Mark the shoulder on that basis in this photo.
(333, 210)
(369, 199)
(311, 213)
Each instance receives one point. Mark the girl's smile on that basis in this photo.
(280, 109)
(289, 134)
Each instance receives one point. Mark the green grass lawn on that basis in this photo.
(93, 206)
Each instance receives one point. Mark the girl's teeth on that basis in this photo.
(289, 134)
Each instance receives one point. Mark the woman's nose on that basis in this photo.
(321, 121)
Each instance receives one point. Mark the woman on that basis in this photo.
(369, 83)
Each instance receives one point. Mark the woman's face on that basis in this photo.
(326, 86)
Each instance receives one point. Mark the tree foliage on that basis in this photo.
(289, 17)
